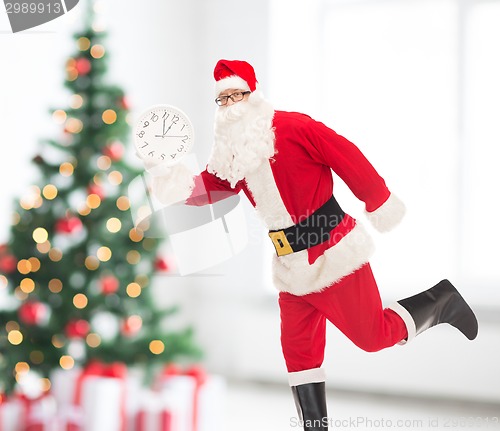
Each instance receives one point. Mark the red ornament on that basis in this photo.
(162, 264)
(109, 284)
(77, 328)
(114, 151)
(33, 313)
(131, 326)
(8, 263)
(68, 225)
(83, 66)
(94, 189)
(124, 103)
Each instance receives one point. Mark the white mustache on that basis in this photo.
(233, 113)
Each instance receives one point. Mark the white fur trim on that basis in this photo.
(293, 273)
(257, 95)
(314, 375)
(172, 184)
(407, 319)
(388, 215)
(230, 82)
(268, 203)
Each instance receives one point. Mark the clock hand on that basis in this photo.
(163, 130)
(169, 127)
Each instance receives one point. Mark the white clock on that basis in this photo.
(163, 134)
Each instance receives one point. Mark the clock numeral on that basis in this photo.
(185, 138)
(180, 148)
(141, 134)
(146, 124)
(151, 153)
(183, 127)
(167, 115)
(162, 156)
(173, 155)
(145, 144)
(175, 118)
(154, 117)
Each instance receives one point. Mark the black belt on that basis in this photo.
(312, 231)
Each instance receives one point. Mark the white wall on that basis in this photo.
(164, 52)
(31, 77)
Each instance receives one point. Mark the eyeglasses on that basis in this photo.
(235, 97)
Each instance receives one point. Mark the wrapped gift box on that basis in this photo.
(195, 398)
(11, 415)
(154, 413)
(95, 396)
(177, 392)
(211, 404)
(102, 404)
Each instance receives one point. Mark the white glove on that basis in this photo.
(154, 167)
(171, 184)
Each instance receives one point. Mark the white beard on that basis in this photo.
(244, 138)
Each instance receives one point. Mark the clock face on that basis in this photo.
(163, 134)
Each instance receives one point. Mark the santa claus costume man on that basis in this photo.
(283, 162)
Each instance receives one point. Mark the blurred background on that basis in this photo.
(414, 84)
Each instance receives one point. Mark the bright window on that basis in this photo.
(415, 85)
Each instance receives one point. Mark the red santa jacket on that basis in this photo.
(295, 183)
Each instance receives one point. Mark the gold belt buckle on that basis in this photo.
(280, 243)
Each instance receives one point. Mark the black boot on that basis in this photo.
(310, 400)
(441, 304)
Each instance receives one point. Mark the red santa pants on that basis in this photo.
(353, 305)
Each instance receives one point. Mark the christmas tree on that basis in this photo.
(77, 272)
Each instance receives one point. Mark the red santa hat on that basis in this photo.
(234, 74)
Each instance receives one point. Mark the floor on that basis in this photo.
(251, 407)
